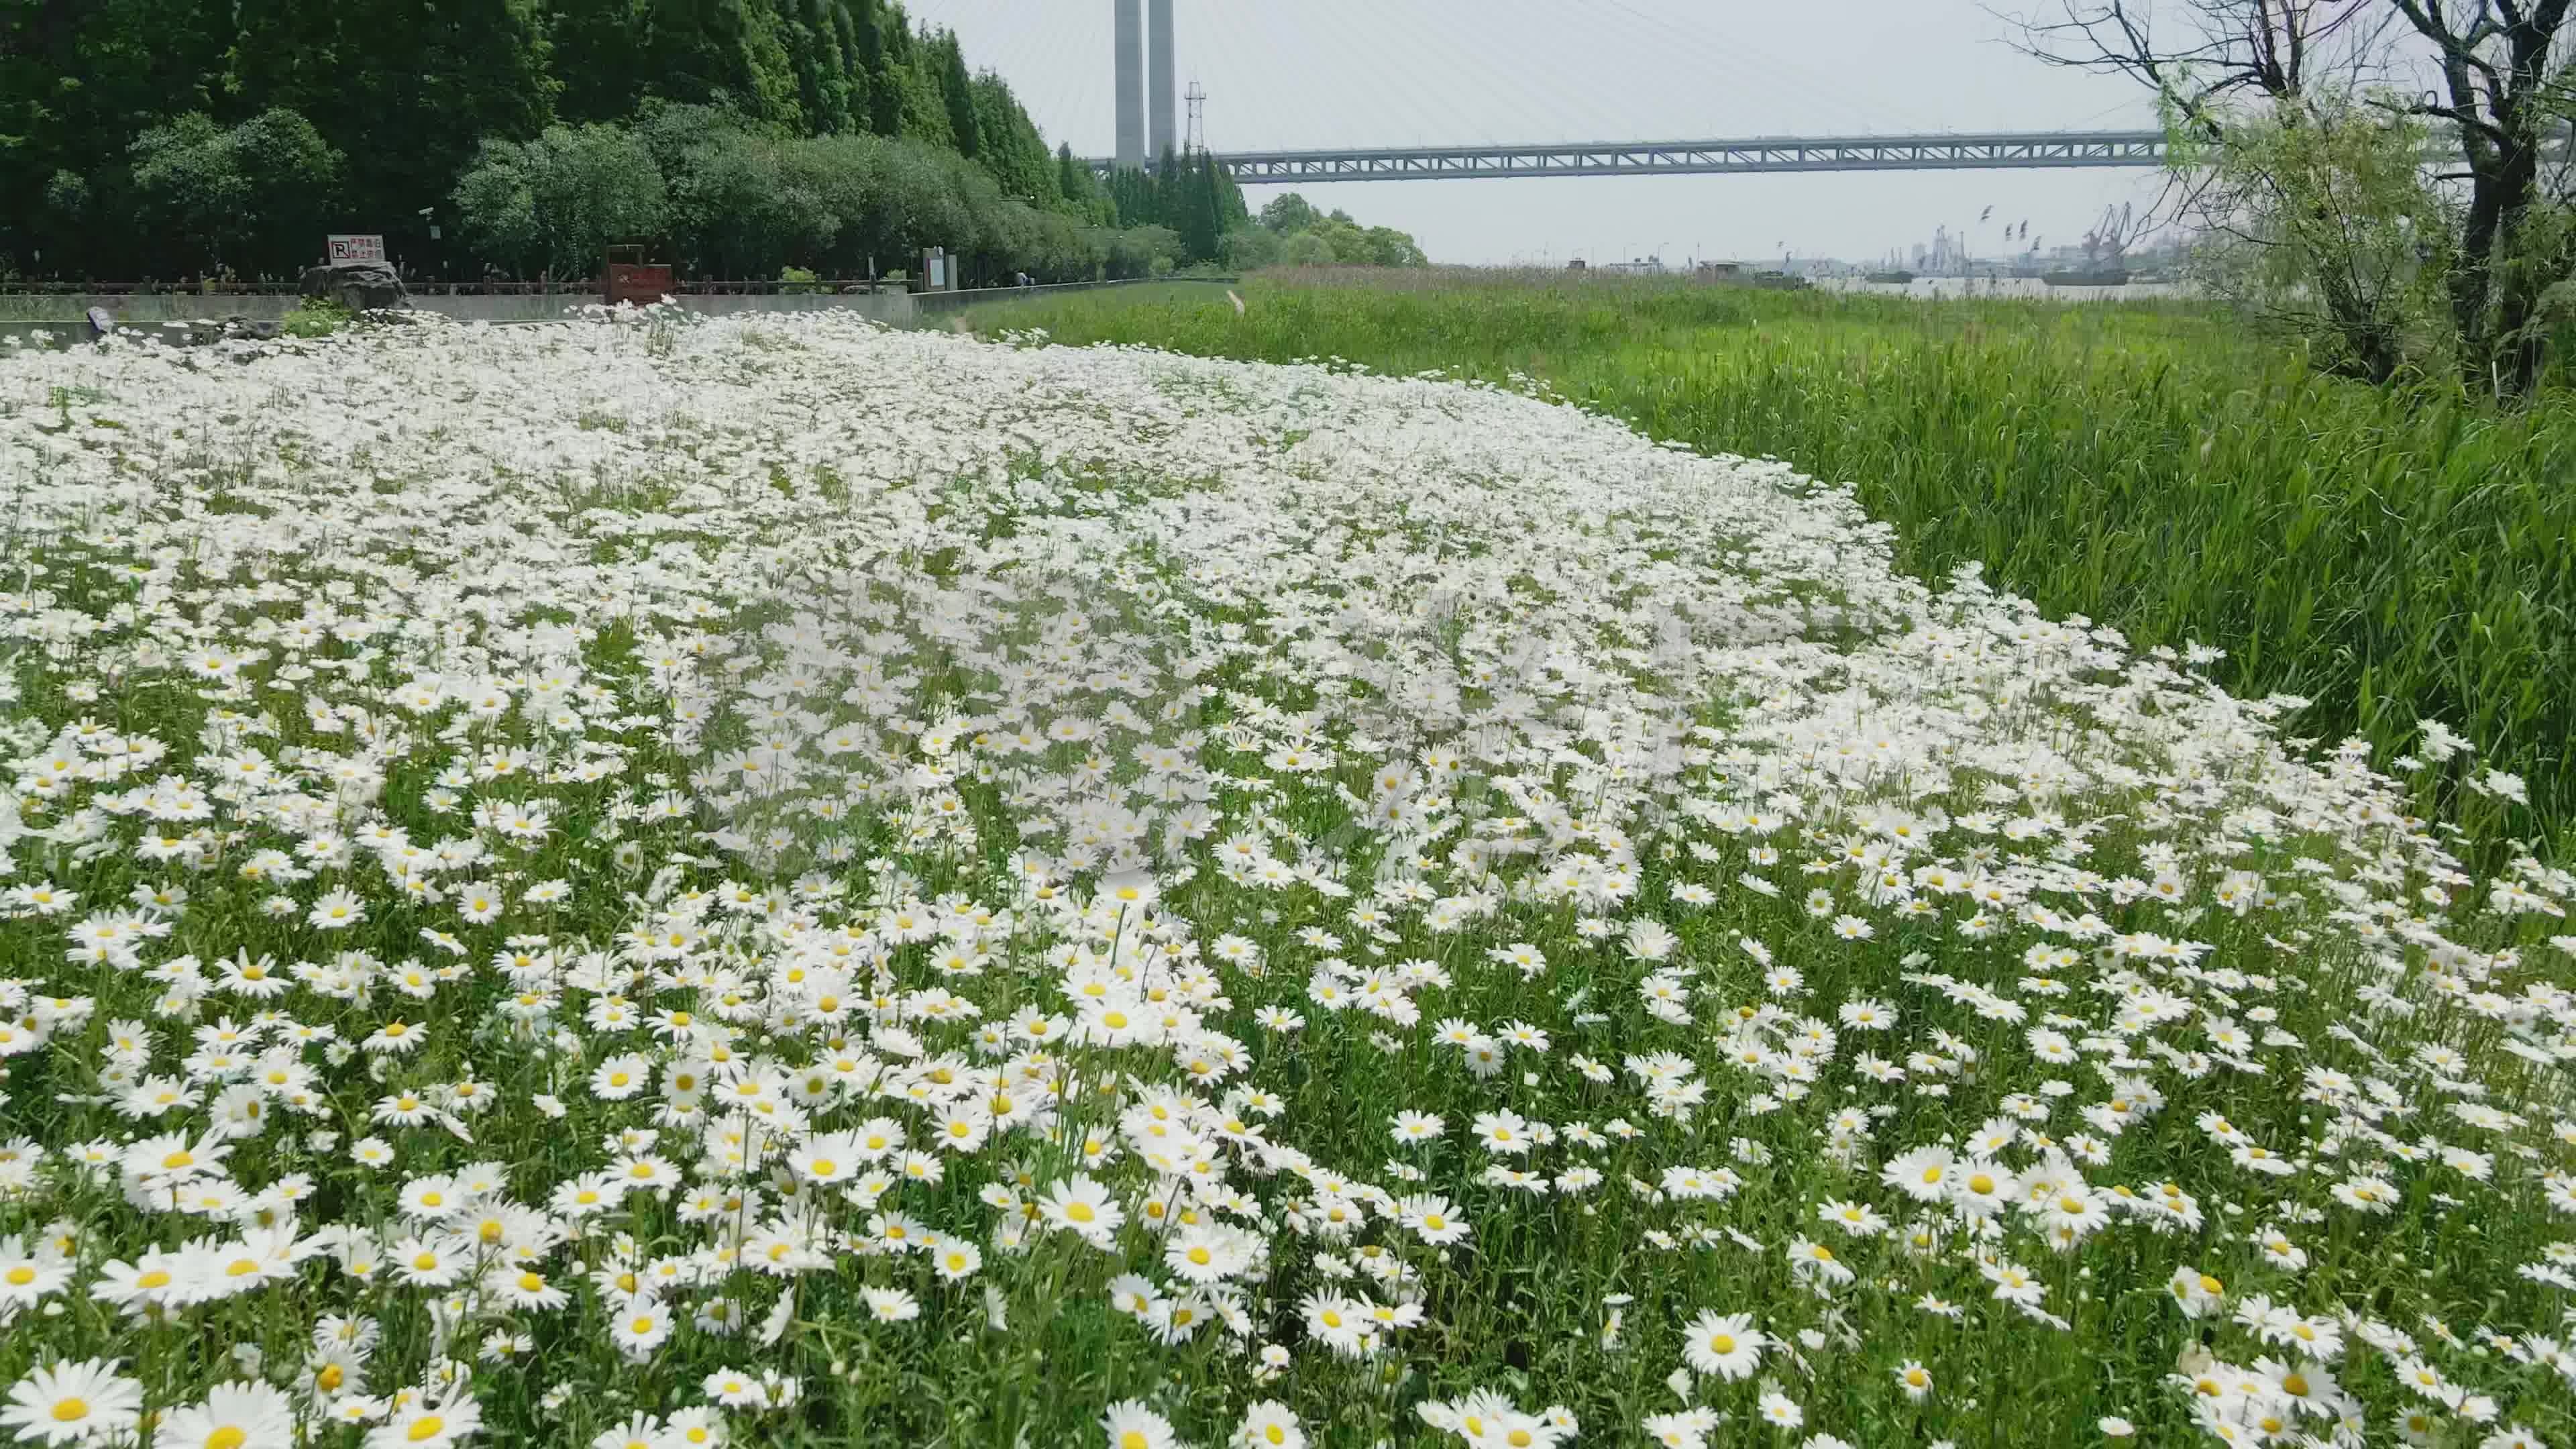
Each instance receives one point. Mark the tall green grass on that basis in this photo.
(2391, 556)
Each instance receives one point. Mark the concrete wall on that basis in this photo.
(1127, 28)
(152, 309)
(1162, 124)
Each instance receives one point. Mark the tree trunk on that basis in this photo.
(2494, 292)
(2372, 346)
(2492, 299)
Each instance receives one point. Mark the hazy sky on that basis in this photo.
(1315, 73)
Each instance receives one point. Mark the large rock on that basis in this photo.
(358, 286)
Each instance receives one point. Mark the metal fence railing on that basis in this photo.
(420, 287)
(563, 287)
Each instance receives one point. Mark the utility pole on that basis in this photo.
(1197, 140)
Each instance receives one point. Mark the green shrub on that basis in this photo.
(316, 317)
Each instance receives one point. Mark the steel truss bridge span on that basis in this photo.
(2002, 150)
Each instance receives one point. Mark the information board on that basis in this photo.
(353, 247)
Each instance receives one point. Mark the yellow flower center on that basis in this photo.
(426, 1429)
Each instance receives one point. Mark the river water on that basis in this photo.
(1931, 289)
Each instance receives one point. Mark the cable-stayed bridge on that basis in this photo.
(1149, 126)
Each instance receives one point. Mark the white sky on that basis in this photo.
(1315, 73)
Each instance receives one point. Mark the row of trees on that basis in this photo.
(172, 137)
(720, 197)
(2391, 180)
(1293, 233)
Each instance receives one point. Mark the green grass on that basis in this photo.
(2391, 557)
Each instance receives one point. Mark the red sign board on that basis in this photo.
(638, 282)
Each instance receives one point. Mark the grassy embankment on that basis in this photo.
(2392, 557)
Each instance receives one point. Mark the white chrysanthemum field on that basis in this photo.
(775, 882)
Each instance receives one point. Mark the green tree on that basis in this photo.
(1288, 213)
(1143, 251)
(1388, 247)
(2327, 230)
(821, 68)
(1082, 192)
(1250, 248)
(412, 113)
(1133, 198)
(884, 95)
(554, 203)
(1198, 215)
(1308, 248)
(408, 90)
(599, 57)
(739, 209)
(1009, 147)
(79, 79)
(695, 52)
(957, 91)
(2289, 146)
(256, 197)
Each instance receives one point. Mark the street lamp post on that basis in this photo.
(437, 252)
